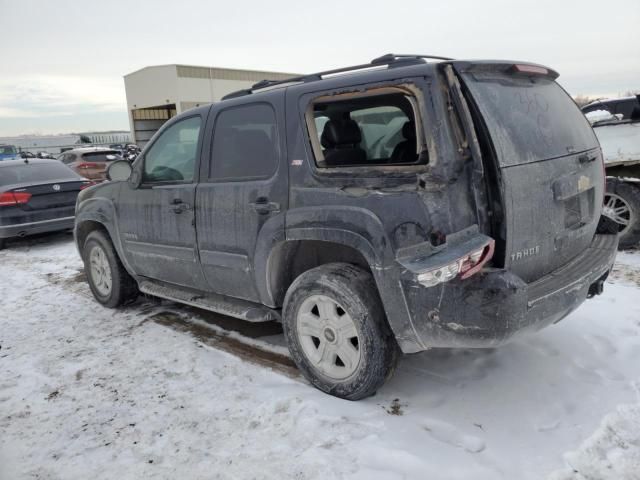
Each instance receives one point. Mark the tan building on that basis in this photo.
(157, 93)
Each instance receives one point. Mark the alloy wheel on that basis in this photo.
(618, 209)
(328, 337)
(100, 270)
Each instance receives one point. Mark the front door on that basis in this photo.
(242, 195)
(156, 219)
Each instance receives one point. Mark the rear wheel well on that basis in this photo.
(290, 259)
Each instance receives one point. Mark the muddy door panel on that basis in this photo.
(158, 235)
(243, 189)
(156, 218)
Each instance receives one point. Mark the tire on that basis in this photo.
(334, 311)
(2, 243)
(110, 283)
(622, 205)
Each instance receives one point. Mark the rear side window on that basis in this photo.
(245, 143)
(36, 173)
(626, 108)
(529, 118)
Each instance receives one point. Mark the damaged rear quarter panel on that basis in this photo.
(379, 209)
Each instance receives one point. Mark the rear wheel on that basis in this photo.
(622, 205)
(336, 331)
(110, 283)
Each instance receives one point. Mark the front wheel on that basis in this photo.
(110, 283)
(622, 205)
(336, 331)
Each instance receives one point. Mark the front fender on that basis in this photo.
(100, 210)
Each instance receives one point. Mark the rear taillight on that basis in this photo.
(85, 165)
(464, 266)
(14, 198)
(87, 185)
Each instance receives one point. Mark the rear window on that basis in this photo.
(529, 118)
(36, 173)
(100, 156)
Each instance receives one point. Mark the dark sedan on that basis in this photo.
(37, 196)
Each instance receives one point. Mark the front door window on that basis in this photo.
(172, 156)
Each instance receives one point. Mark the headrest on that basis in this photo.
(409, 130)
(340, 132)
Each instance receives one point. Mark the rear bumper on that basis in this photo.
(43, 226)
(495, 306)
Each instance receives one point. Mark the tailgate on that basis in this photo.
(548, 164)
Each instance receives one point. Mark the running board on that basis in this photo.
(222, 304)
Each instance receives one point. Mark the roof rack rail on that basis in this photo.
(394, 57)
(389, 59)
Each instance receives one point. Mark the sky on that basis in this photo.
(62, 62)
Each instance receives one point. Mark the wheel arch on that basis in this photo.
(99, 214)
(291, 258)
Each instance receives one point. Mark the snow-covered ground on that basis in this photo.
(91, 393)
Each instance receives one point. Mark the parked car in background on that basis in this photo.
(90, 162)
(626, 108)
(616, 123)
(8, 152)
(25, 154)
(473, 220)
(37, 196)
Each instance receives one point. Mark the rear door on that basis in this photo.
(548, 161)
(156, 219)
(243, 192)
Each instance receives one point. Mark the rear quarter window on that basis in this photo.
(530, 118)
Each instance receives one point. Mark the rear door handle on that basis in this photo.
(263, 206)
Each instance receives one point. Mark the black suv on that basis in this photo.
(398, 205)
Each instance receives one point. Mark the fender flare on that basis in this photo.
(101, 210)
(353, 227)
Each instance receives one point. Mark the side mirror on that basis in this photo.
(119, 171)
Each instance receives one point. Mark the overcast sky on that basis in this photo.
(62, 62)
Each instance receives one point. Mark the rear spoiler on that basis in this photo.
(505, 67)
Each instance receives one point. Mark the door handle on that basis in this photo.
(178, 206)
(262, 205)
